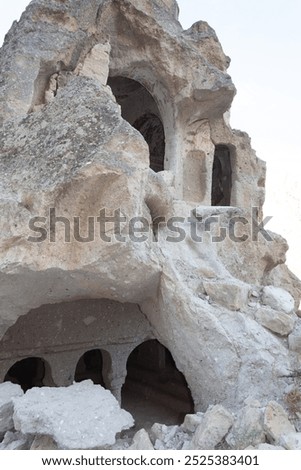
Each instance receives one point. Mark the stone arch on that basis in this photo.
(140, 109)
(155, 385)
(95, 365)
(29, 372)
(221, 176)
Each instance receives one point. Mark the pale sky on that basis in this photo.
(263, 39)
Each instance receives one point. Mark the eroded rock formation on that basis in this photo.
(79, 80)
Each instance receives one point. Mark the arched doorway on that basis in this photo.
(139, 108)
(221, 177)
(28, 373)
(90, 367)
(155, 390)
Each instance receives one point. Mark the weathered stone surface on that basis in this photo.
(247, 429)
(278, 299)
(191, 422)
(233, 295)
(141, 441)
(7, 392)
(276, 422)
(68, 143)
(96, 64)
(215, 425)
(169, 437)
(291, 441)
(82, 416)
(16, 441)
(278, 322)
(294, 339)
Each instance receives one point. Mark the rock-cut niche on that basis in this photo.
(154, 389)
(221, 177)
(29, 372)
(140, 109)
(90, 367)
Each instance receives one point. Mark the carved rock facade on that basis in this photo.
(108, 105)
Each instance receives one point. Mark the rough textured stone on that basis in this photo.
(291, 441)
(215, 425)
(232, 295)
(16, 441)
(7, 392)
(276, 422)
(69, 141)
(82, 416)
(169, 437)
(247, 429)
(141, 441)
(191, 422)
(278, 322)
(294, 339)
(278, 299)
(96, 64)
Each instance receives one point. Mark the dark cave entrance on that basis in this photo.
(139, 108)
(221, 177)
(90, 367)
(155, 390)
(28, 373)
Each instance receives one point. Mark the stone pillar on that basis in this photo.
(117, 375)
(63, 365)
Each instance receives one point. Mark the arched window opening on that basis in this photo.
(155, 390)
(221, 177)
(139, 108)
(90, 366)
(28, 373)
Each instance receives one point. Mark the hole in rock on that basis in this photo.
(140, 109)
(155, 390)
(90, 366)
(221, 177)
(28, 373)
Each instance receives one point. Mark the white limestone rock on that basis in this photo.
(291, 441)
(7, 392)
(192, 421)
(215, 425)
(78, 154)
(169, 437)
(278, 299)
(231, 294)
(96, 63)
(157, 432)
(141, 441)
(276, 321)
(294, 339)
(82, 416)
(276, 422)
(247, 429)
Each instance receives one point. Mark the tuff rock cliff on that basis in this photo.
(110, 107)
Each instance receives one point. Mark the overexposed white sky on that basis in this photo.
(263, 39)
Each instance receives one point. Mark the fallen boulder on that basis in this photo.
(278, 298)
(82, 416)
(141, 441)
(247, 429)
(7, 392)
(276, 422)
(215, 425)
